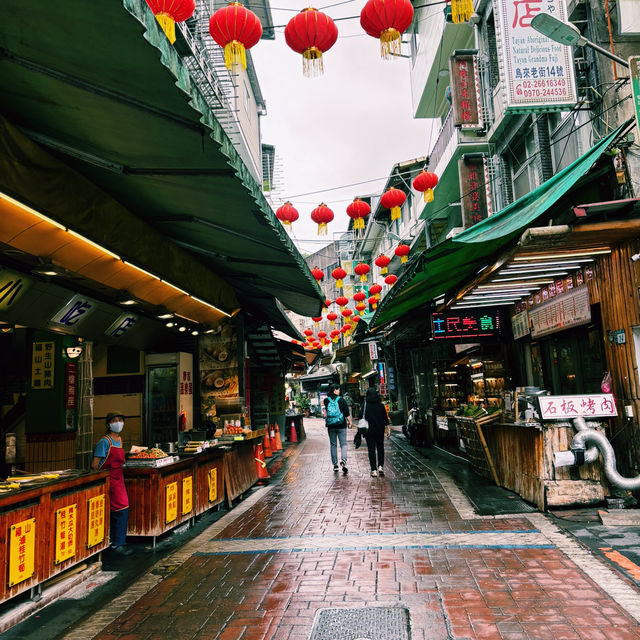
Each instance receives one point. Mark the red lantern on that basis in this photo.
(236, 29)
(317, 321)
(332, 317)
(318, 274)
(322, 215)
(373, 301)
(347, 327)
(393, 199)
(402, 251)
(287, 214)
(327, 303)
(344, 329)
(461, 10)
(359, 296)
(382, 261)
(308, 333)
(355, 319)
(342, 302)
(311, 33)
(322, 335)
(346, 313)
(358, 210)
(387, 20)
(391, 280)
(425, 181)
(360, 308)
(334, 335)
(361, 269)
(168, 12)
(375, 290)
(339, 274)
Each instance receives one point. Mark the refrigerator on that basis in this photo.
(168, 397)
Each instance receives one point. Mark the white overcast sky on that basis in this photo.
(349, 125)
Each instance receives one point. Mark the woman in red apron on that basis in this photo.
(109, 454)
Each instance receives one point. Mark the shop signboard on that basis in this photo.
(123, 323)
(466, 323)
(593, 405)
(473, 175)
(373, 351)
(43, 365)
(187, 495)
(12, 288)
(22, 551)
(465, 90)
(442, 422)
(70, 385)
(212, 479)
(634, 71)
(65, 533)
(74, 312)
(171, 505)
(520, 324)
(95, 527)
(537, 73)
(570, 309)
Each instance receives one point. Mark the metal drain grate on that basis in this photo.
(370, 623)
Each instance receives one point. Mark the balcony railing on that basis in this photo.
(447, 133)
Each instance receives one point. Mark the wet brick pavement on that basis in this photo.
(315, 540)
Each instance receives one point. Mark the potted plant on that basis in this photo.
(303, 404)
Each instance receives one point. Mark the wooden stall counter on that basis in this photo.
(49, 525)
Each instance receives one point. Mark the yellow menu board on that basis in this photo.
(42, 365)
(65, 533)
(172, 502)
(95, 531)
(22, 546)
(213, 484)
(187, 495)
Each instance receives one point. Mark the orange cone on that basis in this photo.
(267, 447)
(261, 465)
(278, 439)
(294, 436)
(272, 438)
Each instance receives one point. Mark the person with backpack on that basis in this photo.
(337, 418)
(376, 416)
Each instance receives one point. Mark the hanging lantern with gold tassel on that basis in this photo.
(387, 20)
(311, 33)
(461, 10)
(168, 12)
(235, 29)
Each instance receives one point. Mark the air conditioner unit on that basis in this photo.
(454, 232)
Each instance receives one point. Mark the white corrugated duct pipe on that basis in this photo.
(579, 454)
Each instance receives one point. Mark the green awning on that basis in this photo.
(461, 258)
(99, 85)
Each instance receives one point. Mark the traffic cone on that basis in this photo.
(261, 465)
(278, 439)
(266, 446)
(272, 438)
(294, 436)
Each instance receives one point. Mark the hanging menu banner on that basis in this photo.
(465, 90)
(520, 324)
(474, 186)
(537, 73)
(569, 309)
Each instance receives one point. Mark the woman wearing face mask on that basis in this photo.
(109, 454)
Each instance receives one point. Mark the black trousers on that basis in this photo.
(375, 443)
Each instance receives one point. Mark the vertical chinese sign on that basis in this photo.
(22, 545)
(42, 365)
(65, 533)
(538, 74)
(213, 484)
(465, 91)
(95, 529)
(187, 495)
(171, 502)
(70, 385)
(474, 189)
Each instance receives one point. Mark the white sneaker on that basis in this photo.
(380, 471)
(374, 474)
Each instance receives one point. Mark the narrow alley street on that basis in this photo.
(401, 556)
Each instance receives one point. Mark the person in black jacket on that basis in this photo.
(376, 415)
(338, 430)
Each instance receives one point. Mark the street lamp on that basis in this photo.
(568, 34)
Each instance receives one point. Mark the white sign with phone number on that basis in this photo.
(595, 405)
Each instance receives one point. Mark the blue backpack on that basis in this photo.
(334, 415)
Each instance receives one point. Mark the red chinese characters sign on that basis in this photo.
(465, 95)
(474, 189)
(70, 385)
(594, 405)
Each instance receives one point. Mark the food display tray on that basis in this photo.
(151, 462)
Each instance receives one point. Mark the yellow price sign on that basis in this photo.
(95, 531)
(22, 546)
(42, 365)
(213, 484)
(171, 502)
(187, 495)
(66, 522)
